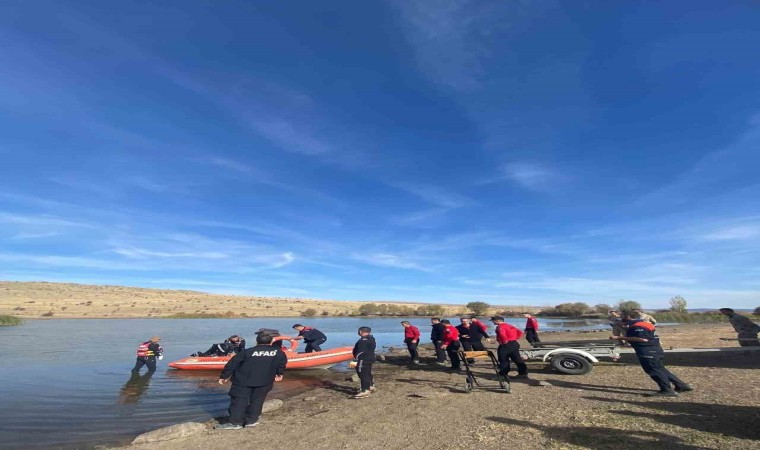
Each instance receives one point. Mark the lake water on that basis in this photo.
(66, 383)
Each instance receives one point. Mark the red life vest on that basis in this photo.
(143, 351)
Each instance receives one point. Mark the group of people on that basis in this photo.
(253, 371)
(449, 340)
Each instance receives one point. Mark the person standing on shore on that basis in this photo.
(364, 356)
(253, 373)
(531, 329)
(451, 344)
(745, 328)
(470, 335)
(509, 348)
(412, 340)
(436, 335)
(643, 338)
(147, 354)
(312, 337)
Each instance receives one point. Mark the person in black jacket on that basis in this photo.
(233, 344)
(312, 337)
(471, 336)
(436, 335)
(253, 373)
(364, 357)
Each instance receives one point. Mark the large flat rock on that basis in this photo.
(178, 431)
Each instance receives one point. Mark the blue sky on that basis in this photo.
(520, 152)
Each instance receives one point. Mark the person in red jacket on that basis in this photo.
(483, 327)
(531, 329)
(451, 343)
(509, 348)
(412, 340)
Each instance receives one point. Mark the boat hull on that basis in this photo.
(314, 360)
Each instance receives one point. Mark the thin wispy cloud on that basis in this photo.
(390, 260)
(436, 195)
(450, 38)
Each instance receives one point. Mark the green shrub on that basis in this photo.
(7, 321)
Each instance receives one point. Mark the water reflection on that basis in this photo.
(134, 388)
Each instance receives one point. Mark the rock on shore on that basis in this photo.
(182, 430)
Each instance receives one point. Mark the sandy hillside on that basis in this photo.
(34, 299)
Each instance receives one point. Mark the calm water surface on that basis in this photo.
(66, 383)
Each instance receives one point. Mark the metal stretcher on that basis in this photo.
(471, 381)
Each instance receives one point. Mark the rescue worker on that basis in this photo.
(312, 337)
(364, 357)
(483, 327)
(645, 317)
(643, 338)
(253, 373)
(450, 343)
(745, 328)
(470, 335)
(436, 335)
(509, 348)
(147, 353)
(233, 344)
(616, 323)
(412, 340)
(531, 329)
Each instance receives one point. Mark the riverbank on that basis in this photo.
(425, 407)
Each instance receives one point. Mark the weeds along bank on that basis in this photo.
(6, 320)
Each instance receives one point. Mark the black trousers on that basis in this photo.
(364, 370)
(652, 361)
(452, 351)
(314, 346)
(246, 403)
(440, 354)
(473, 345)
(750, 343)
(510, 350)
(412, 347)
(149, 361)
(531, 335)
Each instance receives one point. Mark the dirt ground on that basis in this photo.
(426, 408)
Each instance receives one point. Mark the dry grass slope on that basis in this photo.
(67, 300)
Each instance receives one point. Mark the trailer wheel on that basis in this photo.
(571, 364)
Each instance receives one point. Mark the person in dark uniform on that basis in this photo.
(471, 336)
(509, 348)
(253, 373)
(643, 338)
(436, 335)
(147, 354)
(745, 328)
(233, 344)
(364, 357)
(451, 343)
(312, 337)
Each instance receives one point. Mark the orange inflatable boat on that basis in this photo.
(314, 360)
